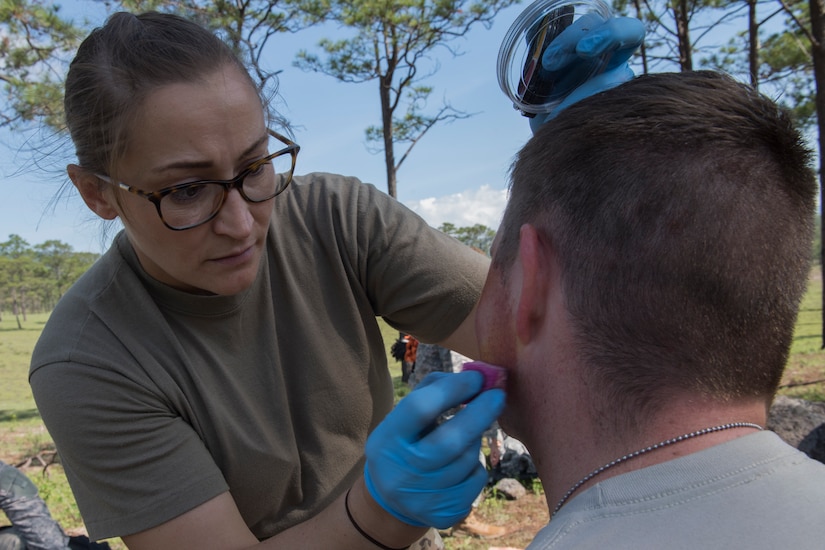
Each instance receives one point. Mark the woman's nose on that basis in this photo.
(234, 218)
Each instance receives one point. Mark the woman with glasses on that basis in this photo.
(225, 349)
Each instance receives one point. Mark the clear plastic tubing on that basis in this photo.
(561, 23)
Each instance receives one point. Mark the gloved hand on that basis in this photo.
(426, 474)
(618, 37)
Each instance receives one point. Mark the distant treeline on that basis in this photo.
(33, 278)
(477, 236)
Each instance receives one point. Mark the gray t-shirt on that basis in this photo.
(753, 492)
(159, 400)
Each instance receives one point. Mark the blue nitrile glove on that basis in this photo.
(617, 36)
(426, 474)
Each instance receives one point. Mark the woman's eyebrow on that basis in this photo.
(193, 164)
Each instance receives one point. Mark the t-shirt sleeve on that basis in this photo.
(420, 280)
(118, 441)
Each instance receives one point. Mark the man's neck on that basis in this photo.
(580, 451)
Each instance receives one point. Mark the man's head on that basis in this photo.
(680, 210)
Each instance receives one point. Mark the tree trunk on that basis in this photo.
(680, 14)
(642, 49)
(386, 123)
(818, 51)
(16, 310)
(753, 44)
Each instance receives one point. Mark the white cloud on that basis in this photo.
(484, 205)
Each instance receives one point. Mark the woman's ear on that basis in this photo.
(93, 192)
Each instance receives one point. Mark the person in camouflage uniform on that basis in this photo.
(32, 526)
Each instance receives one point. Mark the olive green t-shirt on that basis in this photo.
(159, 400)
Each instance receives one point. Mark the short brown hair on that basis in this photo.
(682, 208)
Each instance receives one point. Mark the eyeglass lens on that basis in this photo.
(196, 203)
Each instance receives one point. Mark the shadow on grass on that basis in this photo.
(37, 328)
(808, 337)
(18, 414)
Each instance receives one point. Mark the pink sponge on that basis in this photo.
(494, 377)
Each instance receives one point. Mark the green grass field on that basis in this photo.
(805, 372)
(16, 346)
(22, 434)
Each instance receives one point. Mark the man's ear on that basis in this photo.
(91, 189)
(532, 302)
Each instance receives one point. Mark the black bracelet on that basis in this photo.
(364, 533)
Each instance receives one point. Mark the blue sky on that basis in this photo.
(456, 173)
